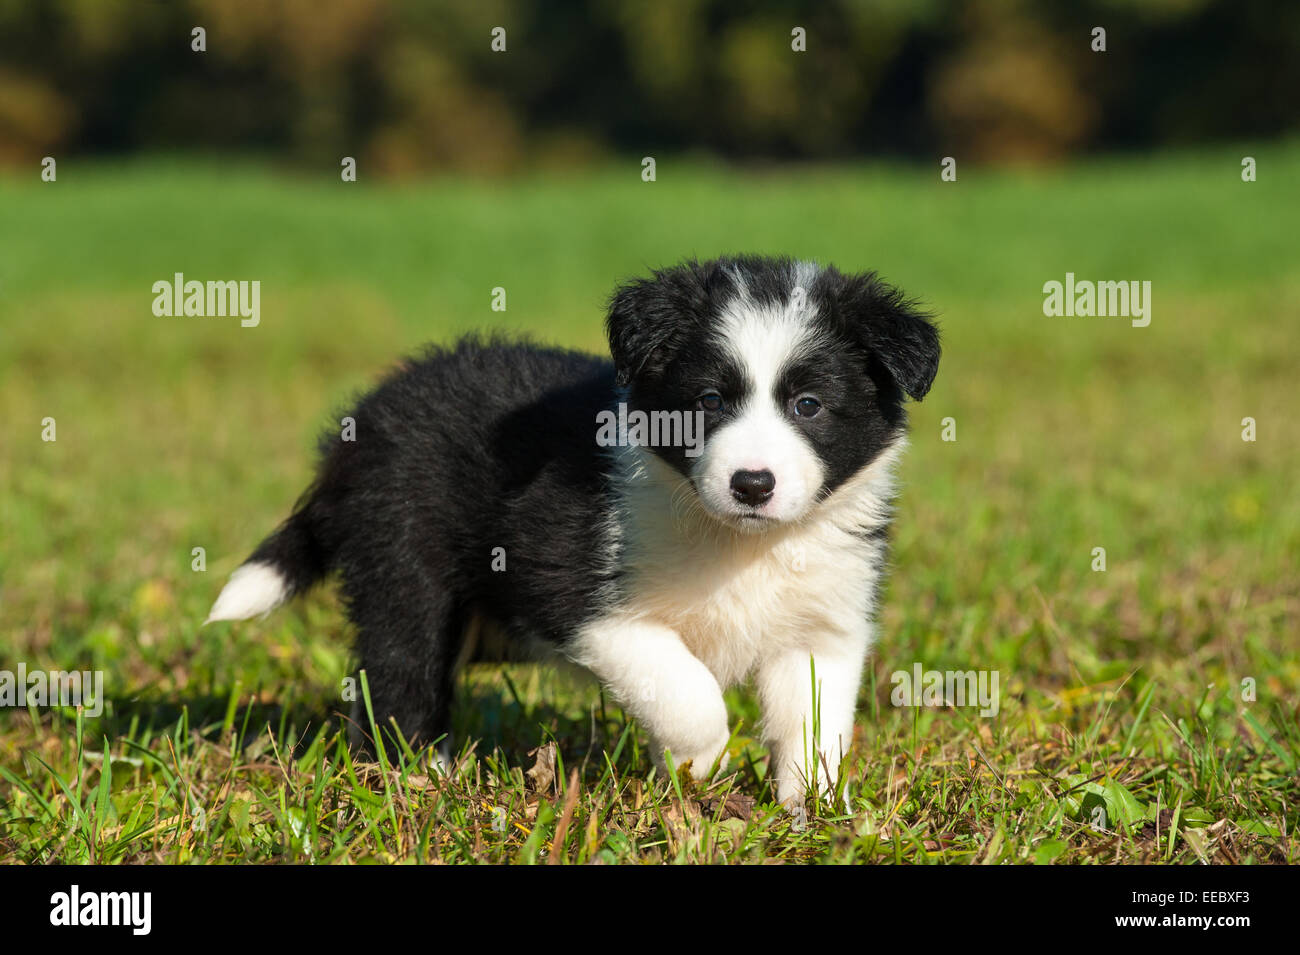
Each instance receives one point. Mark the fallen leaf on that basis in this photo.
(542, 775)
(732, 806)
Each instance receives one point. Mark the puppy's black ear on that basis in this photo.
(648, 317)
(890, 327)
(636, 327)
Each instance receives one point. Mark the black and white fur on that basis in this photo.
(669, 577)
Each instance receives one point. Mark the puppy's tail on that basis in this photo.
(285, 564)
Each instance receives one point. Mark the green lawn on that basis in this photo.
(1121, 689)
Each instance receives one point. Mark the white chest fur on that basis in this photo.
(735, 598)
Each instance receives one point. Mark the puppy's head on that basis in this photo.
(799, 373)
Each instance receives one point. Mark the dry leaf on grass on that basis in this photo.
(732, 806)
(542, 775)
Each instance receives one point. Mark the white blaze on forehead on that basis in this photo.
(764, 339)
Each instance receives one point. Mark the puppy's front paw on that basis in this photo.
(700, 765)
(698, 771)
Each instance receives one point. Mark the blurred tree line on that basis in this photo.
(412, 85)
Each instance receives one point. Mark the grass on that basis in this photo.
(1121, 690)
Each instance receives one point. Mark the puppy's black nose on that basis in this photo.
(752, 487)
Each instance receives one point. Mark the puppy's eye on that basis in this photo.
(807, 407)
(712, 402)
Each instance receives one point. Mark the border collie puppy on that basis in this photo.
(494, 505)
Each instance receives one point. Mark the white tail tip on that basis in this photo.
(256, 588)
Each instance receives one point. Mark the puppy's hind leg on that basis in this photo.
(408, 647)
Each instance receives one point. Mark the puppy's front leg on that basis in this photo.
(659, 681)
(790, 713)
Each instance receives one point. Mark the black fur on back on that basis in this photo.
(486, 444)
